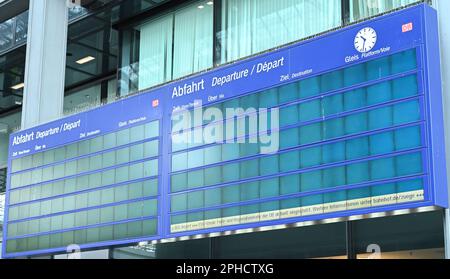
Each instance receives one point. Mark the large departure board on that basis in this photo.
(350, 129)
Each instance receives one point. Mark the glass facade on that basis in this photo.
(253, 26)
(90, 97)
(8, 124)
(13, 31)
(204, 34)
(2, 180)
(149, 57)
(361, 9)
(95, 190)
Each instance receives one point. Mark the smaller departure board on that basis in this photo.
(101, 188)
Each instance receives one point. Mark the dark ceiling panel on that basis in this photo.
(11, 8)
(12, 69)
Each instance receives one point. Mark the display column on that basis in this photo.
(45, 62)
(443, 6)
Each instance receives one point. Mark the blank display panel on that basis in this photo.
(358, 127)
(64, 194)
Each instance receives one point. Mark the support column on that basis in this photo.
(443, 6)
(350, 243)
(45, 62)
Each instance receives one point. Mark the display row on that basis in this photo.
(85, 147)
(62, 187)
(128, 230)
(327, 83)
(379, 118)
(288, 160)
(344, 200)
(315, 133)
(86, 164)
(314, 180)
(108, 214)
(313, 110)
(92, 198)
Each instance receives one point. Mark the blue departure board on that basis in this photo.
(349, 130)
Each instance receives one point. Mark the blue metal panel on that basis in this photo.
(433, 84)
(414, 28)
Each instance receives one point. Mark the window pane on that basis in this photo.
(268, 24)
(194, 38)
(169, 46)
(360, 9)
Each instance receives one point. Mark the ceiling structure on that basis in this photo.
(92, 49)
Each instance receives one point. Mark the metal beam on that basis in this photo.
(443, 6)
(45, 62)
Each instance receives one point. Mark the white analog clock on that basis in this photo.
(365, 40)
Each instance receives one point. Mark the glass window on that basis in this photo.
(6, 39)
(264, 24)
(82, 99)
(148, 55)
(21, 28)
(360, 9)
(193, 33)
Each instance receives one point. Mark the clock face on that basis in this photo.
(365, 40)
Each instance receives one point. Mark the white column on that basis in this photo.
(45, 62)
(443, 6)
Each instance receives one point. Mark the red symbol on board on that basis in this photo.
(407, 27)
(155, 103)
